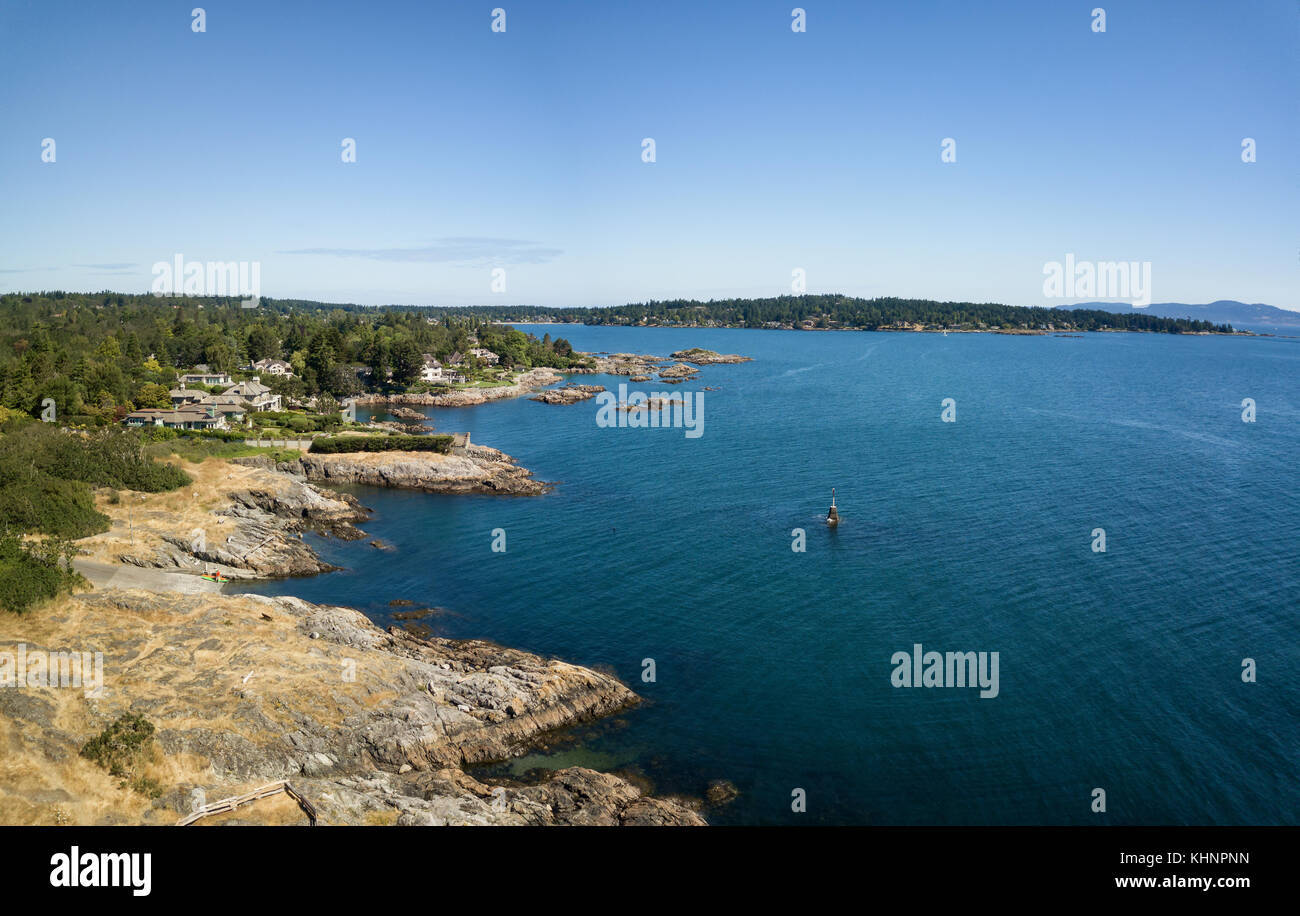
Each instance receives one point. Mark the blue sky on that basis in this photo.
(775, 150)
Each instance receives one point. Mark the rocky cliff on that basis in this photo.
(371, 726)
(478, 470)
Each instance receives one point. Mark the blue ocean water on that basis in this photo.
(1119, 670)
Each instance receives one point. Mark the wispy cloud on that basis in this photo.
(459, 250)
(111, 267)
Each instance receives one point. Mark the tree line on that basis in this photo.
(96, 353)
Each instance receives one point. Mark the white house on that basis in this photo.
(273, 367)
(432, 370)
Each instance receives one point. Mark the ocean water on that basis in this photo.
(1119, 670)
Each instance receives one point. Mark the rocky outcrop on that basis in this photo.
(258, 533)
(478, 470)
(405, 413)
(568, 394)
(619, 364)
(649, 404)
(470, 397)
(701, 357)
(371, 726)
(680, 370)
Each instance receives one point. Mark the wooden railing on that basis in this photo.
(235, 801)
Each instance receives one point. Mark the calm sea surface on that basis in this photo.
(1120, 670)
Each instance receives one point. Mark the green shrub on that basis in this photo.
(32, 575)
(119, 747)
(340, 444)
(34, 501)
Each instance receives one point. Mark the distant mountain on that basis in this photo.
(1245, 316)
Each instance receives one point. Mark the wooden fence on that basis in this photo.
(301, 444)
(267, 791)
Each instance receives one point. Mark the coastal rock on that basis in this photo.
(405, 413)
(619, 364)
(478, 470)
(721, 791)
(701, 357)
(254, 531)
(372, 726)
(469, 397)
(680, 370)
(649, 404)
(568, 394)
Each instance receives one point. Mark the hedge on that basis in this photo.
(331, 445)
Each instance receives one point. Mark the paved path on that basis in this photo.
(111, 575)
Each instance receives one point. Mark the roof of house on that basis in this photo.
(187, 393)
(180, 415)
(248, 389)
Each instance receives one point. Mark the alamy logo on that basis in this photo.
(37, 668)
(638, 410)
(104, 869)
(212, 278)
(952, 669)
(1124, 280)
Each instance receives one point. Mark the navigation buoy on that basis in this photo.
(833, 516)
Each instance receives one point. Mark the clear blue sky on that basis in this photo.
(775, 150)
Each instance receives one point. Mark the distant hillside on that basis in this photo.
(1251, 316)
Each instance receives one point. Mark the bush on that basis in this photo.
(31, 576)
(34, 501)
(339, 444)
(119, 747)
(104, 458)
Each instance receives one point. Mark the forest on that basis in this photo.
(98, 355)
(847, 312)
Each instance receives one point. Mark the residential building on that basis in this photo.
(182, 396)
(432, 371)
(205, 375)
(256, 395)
(192, 417)
(273, 367)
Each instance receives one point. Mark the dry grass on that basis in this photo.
(154, 656)
(141, 519)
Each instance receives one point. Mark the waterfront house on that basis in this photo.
(485, 356)
(432, 370)
(256, 395)
(192, 417)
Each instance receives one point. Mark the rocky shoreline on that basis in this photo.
(372, 726)
(469, 397)
(244, 523)
(568, 394)
(478, 469)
